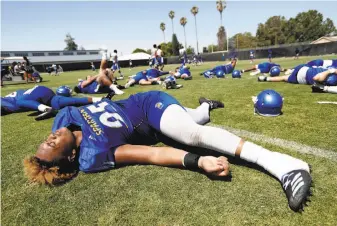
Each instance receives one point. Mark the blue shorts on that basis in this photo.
(139, 76)
(269, 55)
(146, 109)
(316, 63)
(293, 76)
(160, 61)
(115, 67)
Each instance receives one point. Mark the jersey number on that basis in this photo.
(104, 118)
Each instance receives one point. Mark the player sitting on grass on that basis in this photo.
(262, 68)
(146, 77)
(101, 83)
(43, 99)
(220, 71)
(302, 74)
(183, 72)
(107, 134)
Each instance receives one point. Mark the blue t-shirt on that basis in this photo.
(93, 88)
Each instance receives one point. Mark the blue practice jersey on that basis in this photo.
(107, 125)
(184, 71)
(266, 66)
(93, 88)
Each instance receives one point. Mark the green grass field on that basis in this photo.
(152, 195)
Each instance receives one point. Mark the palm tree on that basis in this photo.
(195, 11)
(163, 27)
(183, 22)
(220, 6)
(171, 15)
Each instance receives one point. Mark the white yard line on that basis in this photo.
(292, 145)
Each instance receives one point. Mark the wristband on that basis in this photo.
(190, 161)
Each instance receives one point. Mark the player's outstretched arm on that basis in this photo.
(168, 156)
(321, 77)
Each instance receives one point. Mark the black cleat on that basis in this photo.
(110, 95)
(296, 185)
(317, 88)
(48, 113)
(262, 78)
(213, 104)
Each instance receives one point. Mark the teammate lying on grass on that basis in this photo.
(302, 74)
(43, 99)
(101, 83)
(322, 63)
(146, 77)
(262, 68)
(220, 71)
(183, 72)
(107, 134)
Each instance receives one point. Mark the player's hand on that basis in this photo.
(215, 166)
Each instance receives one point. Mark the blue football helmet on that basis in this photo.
(268, 103)
(220, 74)
(64, 91)
(275, 71)
(331, 80)
(236, 74)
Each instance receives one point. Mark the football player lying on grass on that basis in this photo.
(109, 133)
(317, 63)
(262, 68)
(220, 71)
(302, 74)
(146, 77)
(43, 99)
(101, 83)
(322, 63)
(183, 72)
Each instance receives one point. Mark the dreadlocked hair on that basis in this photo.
(49, 173)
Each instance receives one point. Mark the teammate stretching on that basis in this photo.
(220, 71)
(43, 99)
(146, 77)
(302, 74)
(261, 68)
(101, 83)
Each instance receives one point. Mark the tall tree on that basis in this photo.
(171, 15)
(163, 27)
(221, 35)
(244, 40)
(220, 6)
(195, 11)
(70, 43)
(183, 22)
(175, 45)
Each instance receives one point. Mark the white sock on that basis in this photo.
(330, 89)
(42, 107)
(96, 99)
(275, 163)
(115, 89)
(200, 115)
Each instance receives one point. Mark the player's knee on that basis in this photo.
(192, 135)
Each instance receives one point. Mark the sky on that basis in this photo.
(126, 25)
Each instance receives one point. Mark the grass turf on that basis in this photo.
(152, 195)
